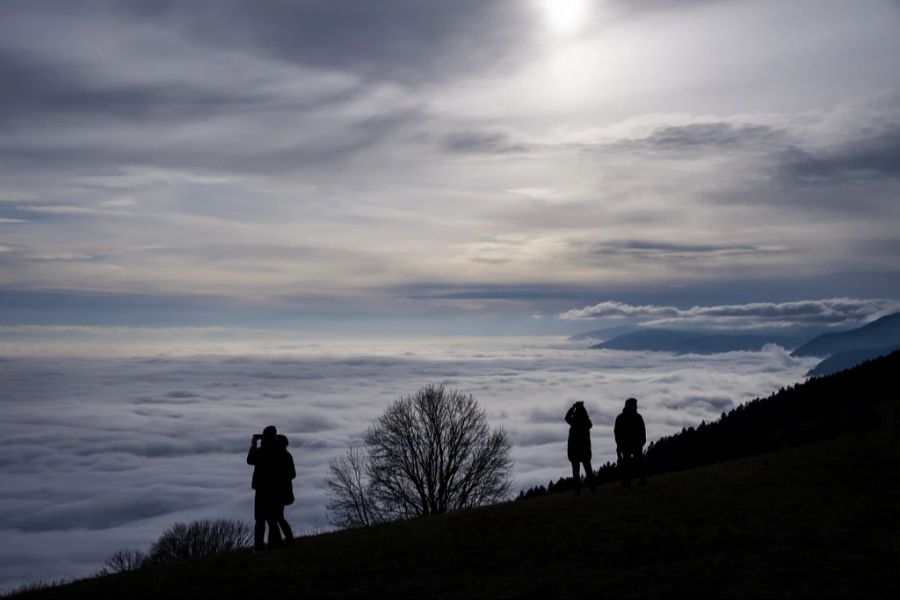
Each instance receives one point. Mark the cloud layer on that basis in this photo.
(105, 453)
(831, 312)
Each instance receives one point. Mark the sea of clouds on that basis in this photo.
(101, 453)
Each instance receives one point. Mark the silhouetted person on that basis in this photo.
(579, 449)
(267, 481)
(286, 478)
(631, 435)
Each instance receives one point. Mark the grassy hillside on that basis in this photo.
(816, 520)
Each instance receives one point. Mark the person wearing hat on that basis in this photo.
(631, 435)
(266, 459)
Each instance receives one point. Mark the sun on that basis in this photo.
(565, 17)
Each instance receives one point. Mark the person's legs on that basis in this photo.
(589, 474)
(639, 466)
(259, 529)
(286, 531)
(285, 527)
(576, 476)
(273, 508)
(626, 466)
(274, 534)
(265, 511)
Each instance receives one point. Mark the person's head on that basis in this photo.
(631, 404)
(282, 441)
(269, 433)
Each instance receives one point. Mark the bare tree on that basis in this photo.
(429, 453)
(123, 560)
(200, 538)
(352, 501)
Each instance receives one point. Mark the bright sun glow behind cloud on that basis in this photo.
(565, 17)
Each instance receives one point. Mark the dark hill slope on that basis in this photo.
(815, 410)
(815, 520)
(808, 412)
(840, 361)
(882, 333)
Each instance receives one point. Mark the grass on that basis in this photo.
(815, 521)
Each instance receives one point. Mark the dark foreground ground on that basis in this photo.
(816, 521)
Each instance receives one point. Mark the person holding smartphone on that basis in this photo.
(579, 448)
(266, 458)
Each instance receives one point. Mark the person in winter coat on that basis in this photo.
(579, 449)
(286, 478)
(631, 435)
(266, 459)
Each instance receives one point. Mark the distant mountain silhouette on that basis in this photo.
(840, 361)
(883, 333)
(696, 342)
(660, 340)
(713, 344)
(602, 334)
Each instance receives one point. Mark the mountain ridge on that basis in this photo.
(695, 342)
(881, 333)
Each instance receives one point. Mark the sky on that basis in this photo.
(432, 167)
(221, 214)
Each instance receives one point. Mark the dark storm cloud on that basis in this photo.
(868, 152)
(482, 143)
(405, 39)
(40, 88)
(872, 154)
(409, 40)
(660, 250)
(437, 290)
(81, 102)
(708, 136)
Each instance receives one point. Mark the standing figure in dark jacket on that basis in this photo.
(579, 449)
(631, 435)
(267, 469)
(287, 475)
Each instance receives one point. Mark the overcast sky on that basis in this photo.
(412, 162)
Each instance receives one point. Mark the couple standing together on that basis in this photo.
(630, 435)
(273, 474)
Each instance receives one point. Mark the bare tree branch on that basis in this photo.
(428, 453)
